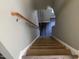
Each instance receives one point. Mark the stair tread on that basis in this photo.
(47, 46)
(48, 52)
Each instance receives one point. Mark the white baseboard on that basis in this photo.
(5, 52)
(73, 50)
(24, 51)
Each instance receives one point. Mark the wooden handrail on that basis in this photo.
(19, 15)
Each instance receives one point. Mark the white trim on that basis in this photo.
(5, 52)
(73, 50)
(24, 51)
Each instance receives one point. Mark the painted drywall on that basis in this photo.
(42, 4)
(58, 5)
(15, 36)
(48, 14)
(67, 24)
(45, 14)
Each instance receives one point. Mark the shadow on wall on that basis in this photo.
(46, 21)
(50, 27)
(47, 29)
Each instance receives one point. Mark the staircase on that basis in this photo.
(47, 48)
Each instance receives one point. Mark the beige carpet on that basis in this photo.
(47, 57)
(47, 48)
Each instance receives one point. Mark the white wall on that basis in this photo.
(46, 14)
(58, 5)
(67, 24)
(15, 36)
(42, 4)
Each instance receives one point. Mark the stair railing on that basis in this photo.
(21, 16)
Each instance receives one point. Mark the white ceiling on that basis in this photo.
(41, 4)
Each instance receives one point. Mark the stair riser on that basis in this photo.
(47, 47)
(48, 52)
(44, 47)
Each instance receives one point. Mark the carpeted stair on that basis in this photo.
(47, 48)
